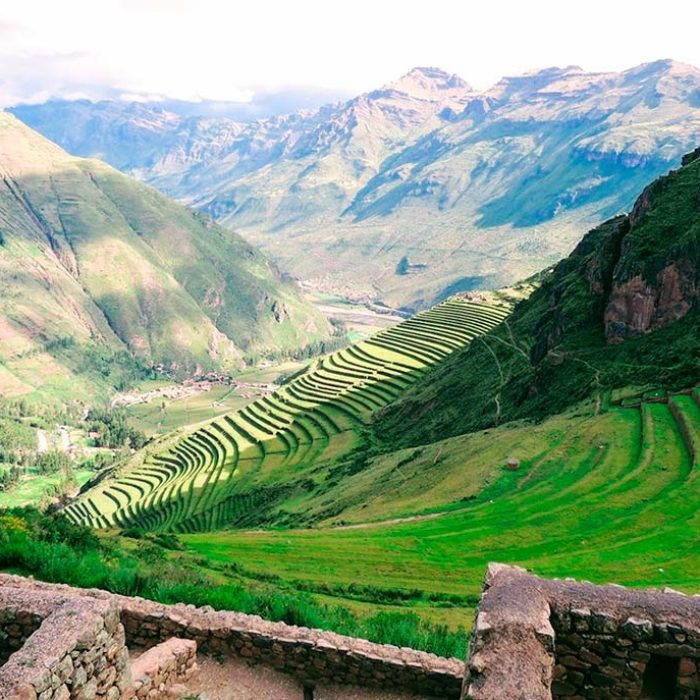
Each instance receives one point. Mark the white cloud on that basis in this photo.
(222, 49)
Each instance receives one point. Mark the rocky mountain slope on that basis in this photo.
(96, 266)
(621, 310)
(473, 190)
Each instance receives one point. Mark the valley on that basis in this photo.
(541, 425)
(326, 368)
(230, 470)
(473, 189)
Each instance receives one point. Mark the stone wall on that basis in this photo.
(18, 621)
(603, 657)
(78, 650)
(161, 667)
(312, 656)
(535, 639)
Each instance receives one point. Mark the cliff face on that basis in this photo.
(655, 281)
(638, 305)
(634, 274)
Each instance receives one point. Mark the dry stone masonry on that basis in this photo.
(163, 667)
(535, 639)
(77, 651)
(314, 657)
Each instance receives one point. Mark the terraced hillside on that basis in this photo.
(231, 466)
(608, 497)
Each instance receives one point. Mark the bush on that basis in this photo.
(52, 548)
(113, 429)
(52, 461)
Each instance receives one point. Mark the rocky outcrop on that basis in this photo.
(635, 273)
(638, 305)
(655, 281)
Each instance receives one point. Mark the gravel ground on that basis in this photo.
(235, 679)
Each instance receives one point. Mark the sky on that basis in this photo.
(236, 51)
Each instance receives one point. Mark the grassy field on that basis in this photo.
(32, 488)
(361, 320)
(204, 405)
(191, 409)
(601, 495)
(605, 498)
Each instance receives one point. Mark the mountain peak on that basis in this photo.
(427, 81)
(664, 66)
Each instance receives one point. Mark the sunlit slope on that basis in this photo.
(233, 465)
(475, 189)
(609, 497)
(94, 263)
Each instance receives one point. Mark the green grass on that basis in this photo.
(605, 498)
(51, 548)
(186, 411)
(32, 488)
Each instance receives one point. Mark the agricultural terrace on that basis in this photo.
(211, 478)
(613, 497)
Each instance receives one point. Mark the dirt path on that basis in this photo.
(375, 523)
(65, 439)
(42, 442)
(236, 679)
(397, 521)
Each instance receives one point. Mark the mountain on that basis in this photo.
(621, 311)
(96, 267)
(421, 188)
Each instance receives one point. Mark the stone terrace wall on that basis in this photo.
(535, 640)
(78, 651)
(19, 619)
(312, 656)
(162, 666)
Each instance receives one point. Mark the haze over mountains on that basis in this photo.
(96, 267)
(475, 190)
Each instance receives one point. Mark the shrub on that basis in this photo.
(52, 548)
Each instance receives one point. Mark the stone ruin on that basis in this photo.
(536, 639)
(63, 643)
(533, 639)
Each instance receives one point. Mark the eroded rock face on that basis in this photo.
(638, 306)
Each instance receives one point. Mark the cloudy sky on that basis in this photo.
(232, 50)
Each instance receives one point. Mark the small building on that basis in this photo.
(513, 463)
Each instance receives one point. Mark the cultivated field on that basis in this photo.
(610, 497)
(233, 465)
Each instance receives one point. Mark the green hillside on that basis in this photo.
(98, 271)
(563, 436)
(632, 275)
(612, 497)
(281, 448)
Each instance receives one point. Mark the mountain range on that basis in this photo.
(620, 311)
(416, 190)
(97, 269)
